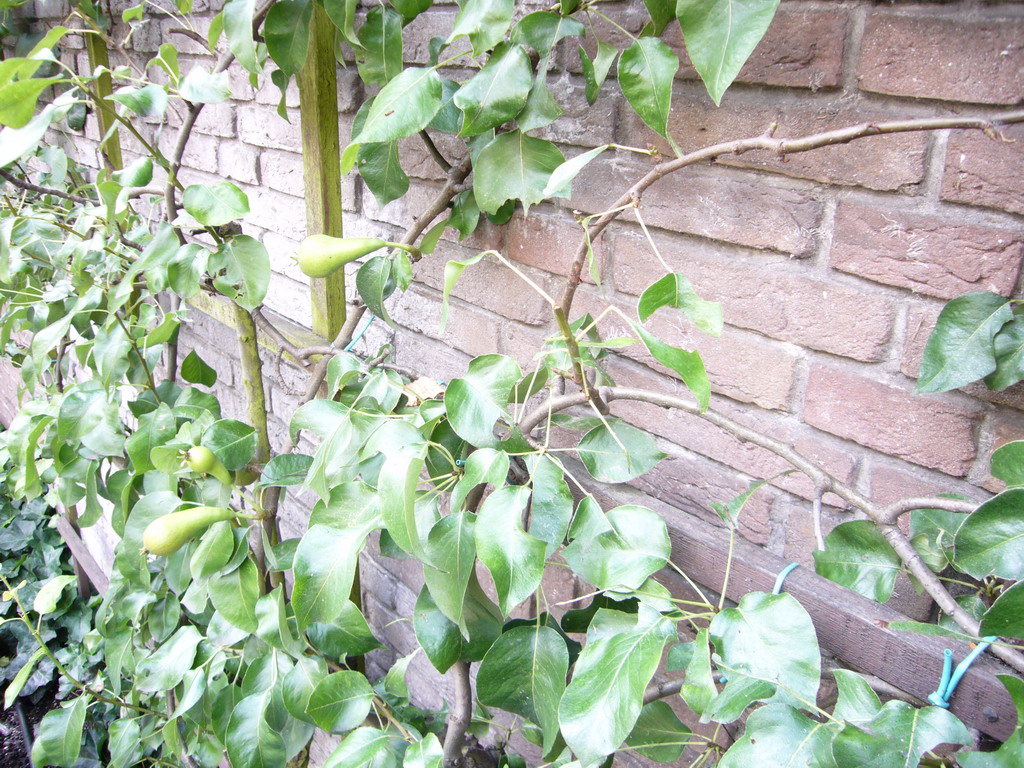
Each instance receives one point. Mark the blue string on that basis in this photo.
(358, 336)
(951, 677)
(782, 577)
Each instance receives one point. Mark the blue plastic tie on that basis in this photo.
(351, 344)
(951, 677)
(781, 578)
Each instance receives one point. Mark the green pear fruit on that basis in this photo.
(201, 459)
(166, 535)
(320, 255)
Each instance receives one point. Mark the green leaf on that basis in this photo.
(397, 482)
(720, 35)
(381, 168)
(343, 14)
(149, 101)
(195, 370)
(246, 264)
(89, 415)
(991, 539)
(514, 166)
(483, 466)
(646, 72)
(18, 100)
(498, 92)
(369, 747)
(674, 290)
(425, 753)
(298, 684)
(375, 284)
(615, 452)
(17, 142)
(769, 638)
(514, 557)
(49, 594)
(234, 595)
(858, 556)
(912, 731)
(59, 738)
(340, 701)
(165, 667)
(1008, 463)
(250, 739)
(688, 365)
(201, 87)
(780, 735)
(15, 686)
(438, 635)
(552, 501)
(215, 205)
(542, 29)
(286, 469)
(559, 183)
(233, 442)
(286, 31)
(403, 107)
(635, 546)
(452, 271)
(238, 18)
(1009, 755)
(476, 401)
(380, 58)
(524, 673)
(659, 734)
(484, 21)
(325, 563)
(932, 532)
(596, 71)
(698, 684)
(961, 348)
(857, 703)
(1006, 616)
(451, 544)
(347, 635)
(410, 9)
(605, 698)
(1009, 351)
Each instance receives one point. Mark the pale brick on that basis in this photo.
(984, 171)
(925, 430)
(282, 171)
(264, 128)
(239, 161)
(977, 61)
(277, 212)
(879, 162)
(777, 298)
(751, 211)
(925, 254)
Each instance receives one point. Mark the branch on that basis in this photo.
(270, 330)
(892, 512)
(780, 147)
(435, 153)
(450, 189)
(30, 187)
(823, 481)
(460, 716)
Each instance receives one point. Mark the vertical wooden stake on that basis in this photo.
(321, 160)
(97, 51)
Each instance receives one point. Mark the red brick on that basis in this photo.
(879, 162)
(925, 430)
(987, 172)
(800, 538)
(1003, 428)
(925, 254)
(751, 211)
(952, 59)
(920, 323)
(549, 242)
(469, 329)
(774, 297)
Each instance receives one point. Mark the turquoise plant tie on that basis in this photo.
(950, 677)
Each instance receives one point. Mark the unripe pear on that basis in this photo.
(201, 459)
(167, 534)
(320, 255)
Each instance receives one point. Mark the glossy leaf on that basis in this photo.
(542, 29)
(646, 72)
(452, 545)
(1006, 616)
(551, 503)
(912, 731)
(381, 168)
(561, 179)
(688, 365)
(596, 71)
(148, 101)
(438, 635)
(250, 739)
(991, 539)
(403, 107)
(202, 87)
(286, 469)
(325, 563)
(602, 703)
(1008, 463)
(720, 35)
(397, 482)
(524, 673)
(483, 21)
(636, 546)
(961, 348)
(246, 264)
(165, 667)
(674, 290)
(233, 442)
(380, 58)
(17, 683)
(59, 738)
(347, 635)
(1008, 345)
(367, 747)
(698, 684)
(659, 735)
(858, 556)
(615, 452)
(340, 701)
(215, 205)
(286, 31)
(858, 703)
(514, 166)
(375, 284)
(780, 735)
(234, 595)
(238, 15)
(497, 93)
(476, 401)
(514, 557)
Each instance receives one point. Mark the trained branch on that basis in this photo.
(460, 716)
(892, 512)
(30, 187)
(780, 147)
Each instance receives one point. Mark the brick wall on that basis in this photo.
(831, 266)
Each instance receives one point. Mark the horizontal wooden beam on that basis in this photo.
(853, 628)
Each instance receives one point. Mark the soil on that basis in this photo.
(13, 753)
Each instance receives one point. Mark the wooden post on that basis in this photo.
(97, 51)
(321, 160)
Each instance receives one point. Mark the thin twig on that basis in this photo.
(780, 147)
(435, 153)
(30, 187)
(270, 330)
